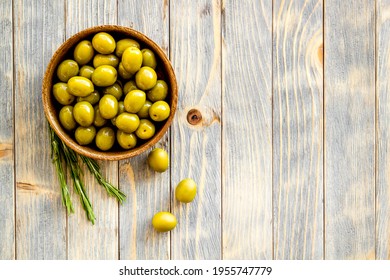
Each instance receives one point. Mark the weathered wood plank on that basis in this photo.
(349, 129)
(7, 215)
(383, 135)
(247, 130)
(99, 241)
(298, 129)
(195, 44)
(40, 216)
(148, 192)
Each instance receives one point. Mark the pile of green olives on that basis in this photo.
(111, 93)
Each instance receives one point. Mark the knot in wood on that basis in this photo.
(194, 116)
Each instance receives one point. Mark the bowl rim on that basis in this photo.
(50, 111)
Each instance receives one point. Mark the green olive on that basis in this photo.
(129, 86)
(66, 118)
(148, 58)
(164, 221)
(115, 90)
(113, 121)
(126, 140)
(186, 190)
(99, 121)
(86, 71)
(105, 138)
(93, 98)
(158, 160)
(127, 122)
(121, 107)
(123, 73)
(159, 111)
(123, 44)
(85, 135)
(145, 130)
(83, 52)
(61, 94)
(134, 101)
(83, 113)
(67, 69)
(144, 112)
(158, 92)
(108, 106)
(132, 59)
(80, 86)
(105, 59)
(146, 78)
(103, 43)
(104, 76)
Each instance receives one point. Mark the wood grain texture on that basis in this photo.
(247, 130)
(383, 135)
(349, 129)
(99, 241)
(298, 129)
(40, 216)
(148, 191)
(195, 43)
(7, 215)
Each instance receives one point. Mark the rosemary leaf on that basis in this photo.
(94, 168)
(57, 161)
(75, 171)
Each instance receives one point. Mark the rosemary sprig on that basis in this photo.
(57, 161)
(94, 168)
(75, 171)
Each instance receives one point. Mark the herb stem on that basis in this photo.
(75, 172)
(94, 168)
(57, 161)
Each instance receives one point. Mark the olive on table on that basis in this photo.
(61, 94)
(158, 160)
(115, 90)
(127, 122)
(145, 130)
(105, 138)
(67, 69)
(159, 111)
(126, 140)
(123, 44)
(83, 52)
(186, 190)
(158, 92)
(144, 112)
(85, 135)
(66, 118)
(134, 100)
(105, 59)
(103, 43)
(108, 106)
(132, 59)
(80, 86)
(164, 221)
(93, 98)
(83, 113)
(104, 76)
(86, 71)
(98, 121)
(148, 58)
(146, 78)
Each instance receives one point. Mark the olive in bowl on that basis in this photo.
(102, 83)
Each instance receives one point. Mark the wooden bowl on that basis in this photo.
(164, 71)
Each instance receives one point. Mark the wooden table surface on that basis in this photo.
(291, 157)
